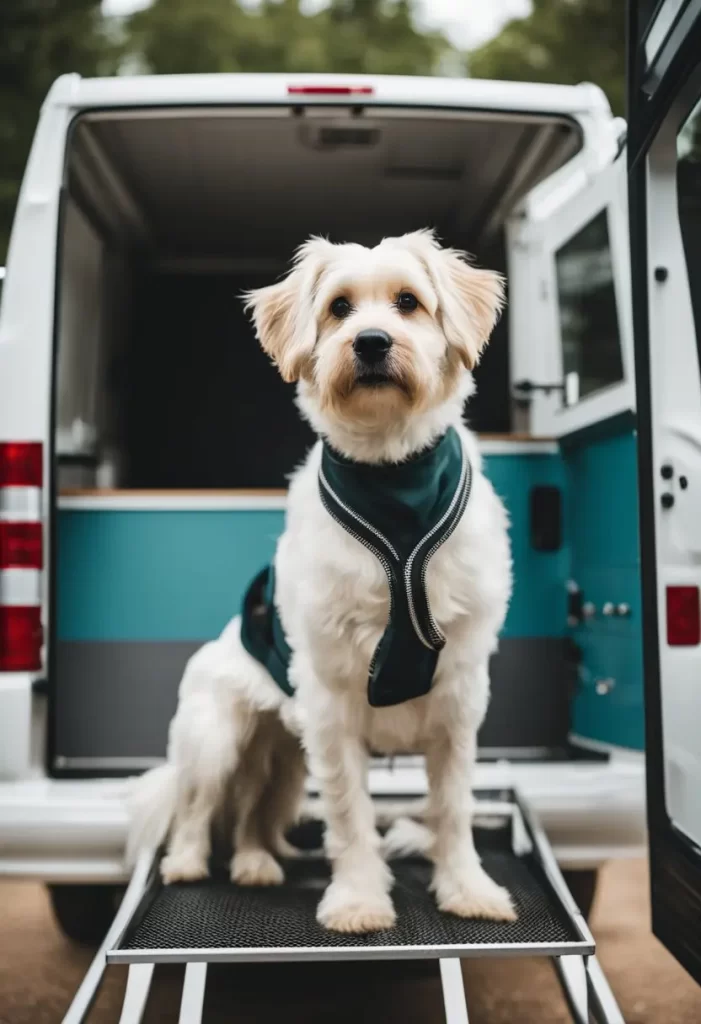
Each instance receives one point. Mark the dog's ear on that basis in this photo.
(283, 313)
(470, 299)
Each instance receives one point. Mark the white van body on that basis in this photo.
(60, 823)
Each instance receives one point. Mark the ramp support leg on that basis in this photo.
(587, 991)
(136, 995)
(192, 1001)
(604, 1008)
(453, 991)
(572, 972)
(83, 999)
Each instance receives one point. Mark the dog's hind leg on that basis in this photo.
(205, 746)
(282, 800)
(252, 862)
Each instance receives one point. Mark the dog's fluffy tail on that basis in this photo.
(151, 806)
(407, 838)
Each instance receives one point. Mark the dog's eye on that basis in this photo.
(407, 302)
(341, 307)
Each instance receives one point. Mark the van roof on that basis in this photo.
(457, 93)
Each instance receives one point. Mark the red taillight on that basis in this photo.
(21, 546)
(330, 90)
(21, 556)
(20, 638)
(683, 616)
(21, 464)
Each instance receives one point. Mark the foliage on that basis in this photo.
(353, 36)
(39, 40)
(565, 41)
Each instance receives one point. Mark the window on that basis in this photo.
(689, 199)
(591, 343)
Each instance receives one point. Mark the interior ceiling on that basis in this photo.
(256, 186)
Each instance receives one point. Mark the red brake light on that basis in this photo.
(330, 90)
(21, 464)
(20, 638)
(21, 546)
(683, 616)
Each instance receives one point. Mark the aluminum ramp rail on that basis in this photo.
(215, 921)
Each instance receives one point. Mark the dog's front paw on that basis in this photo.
(342, 910)
(476, 895)
(256, 867)
(183, 866)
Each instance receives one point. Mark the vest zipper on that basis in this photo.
(438, 635)
(437, 639)
(354, 515)
(384, 562)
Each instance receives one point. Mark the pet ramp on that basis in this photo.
(215, 921)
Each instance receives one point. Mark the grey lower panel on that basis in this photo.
(114, 700)
(532, 686)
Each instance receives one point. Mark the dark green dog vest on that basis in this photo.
(401, 512)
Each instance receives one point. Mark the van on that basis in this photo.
(145, 439)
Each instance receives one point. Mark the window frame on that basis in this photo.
(557, 256)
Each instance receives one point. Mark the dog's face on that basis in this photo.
(376, 333)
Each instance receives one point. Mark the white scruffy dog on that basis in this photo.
(233, 722)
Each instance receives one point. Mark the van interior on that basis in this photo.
(174, 429)
(169, 215)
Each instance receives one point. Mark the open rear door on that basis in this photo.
(664, 155)
(572, 355)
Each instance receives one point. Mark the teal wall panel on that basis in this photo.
(180, 575)
(538, 604)
(602, 526)
(157, 575)
(164, 576)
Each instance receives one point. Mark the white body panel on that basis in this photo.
(75, 831)
(676, 414)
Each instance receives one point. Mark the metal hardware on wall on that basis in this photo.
(578, 610)
(523, 390)
(575, 603)
(546, 518)
(604, 686)
(620, 610)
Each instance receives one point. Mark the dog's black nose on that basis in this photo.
(372, 345)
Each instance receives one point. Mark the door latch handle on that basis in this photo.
(578, 610)
(523, 389)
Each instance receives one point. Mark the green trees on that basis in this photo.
(39, 40)
(353, 36)
(567, 41)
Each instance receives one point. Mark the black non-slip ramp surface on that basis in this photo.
(218, 916)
